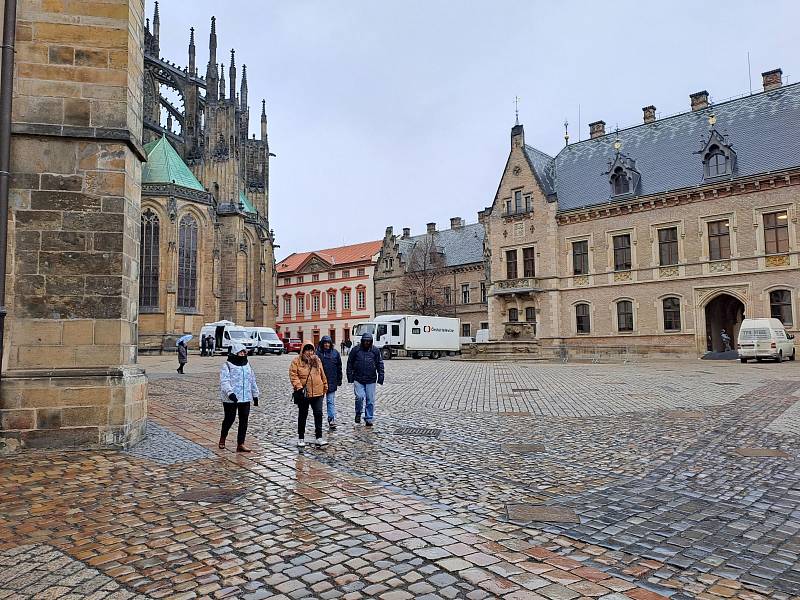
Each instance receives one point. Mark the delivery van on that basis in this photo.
(765, 338)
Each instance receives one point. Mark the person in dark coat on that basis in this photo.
(364, 370)
(183, 356)
(203, 345)
(332, 364)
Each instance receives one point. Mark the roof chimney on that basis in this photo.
(699, 100)
(649, 113)
(406, 232)
(431, 227)
(772, 79)
(455, 223)
(597, 129)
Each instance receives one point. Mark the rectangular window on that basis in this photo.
(513, 315)
(483, 292)
(511, 264)
(580, 257)
(719, 240)
(361, 299)
(518, 201)
(528, 203)
(530, 314)
(668, 246)
(780, 306)
(300, 305)
(332, 275)
(448, 295)
(346, 273)
(508, 207)
(582, 319)
(287, 307)
(528, 262)
(287, 281)
(385, 300)
(672, 314)
(622, 252)
(331, 301)
(345, 300)
(465, 330)
(464, 293)
(776, 232)
(484, 325)
(395, 330)
(315, 277)
(315, 303)
(392, 297)
(624, 315)
(361, 272)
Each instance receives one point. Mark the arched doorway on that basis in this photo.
(723, 312)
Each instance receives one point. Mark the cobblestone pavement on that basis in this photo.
(648, 458)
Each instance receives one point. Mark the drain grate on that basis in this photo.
(418, 431)
(761, 452)
(210, 495)
(527, 513)
(522, 448)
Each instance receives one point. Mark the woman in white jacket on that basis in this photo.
(238, 387)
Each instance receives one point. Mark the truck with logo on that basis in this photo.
(412, 335)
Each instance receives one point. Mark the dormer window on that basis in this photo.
(716, 162)
(619, 182)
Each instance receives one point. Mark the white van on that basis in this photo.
(266, 340)
(765, 338)
(224, 332)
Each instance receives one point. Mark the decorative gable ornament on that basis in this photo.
(719, 157)
(623, 177)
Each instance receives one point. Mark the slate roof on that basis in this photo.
(461, 246)
(164, 165)
(763, 129)
(334, 256)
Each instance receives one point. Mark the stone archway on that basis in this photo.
(726, 312)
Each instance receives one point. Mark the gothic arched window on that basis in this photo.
(620, 182)
(148, 260)
(187, 263)
(717, 162)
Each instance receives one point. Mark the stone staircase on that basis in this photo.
(516, 350)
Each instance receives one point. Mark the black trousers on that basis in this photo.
(302, 416)
(230, 417)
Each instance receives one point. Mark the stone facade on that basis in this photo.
(650, 270)
(234, 271)
(326, 292)
(455, 285)
(69, 372)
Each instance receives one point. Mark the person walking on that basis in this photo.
(203, 345)
(310, 385)
(364, 370)
(341, 346)
(183, 356)
(332, 365)
(238, 387)
(347, 345)
(726, 341)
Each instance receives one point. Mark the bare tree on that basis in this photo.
(423, 281)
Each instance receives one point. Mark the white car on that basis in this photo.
(765, 338)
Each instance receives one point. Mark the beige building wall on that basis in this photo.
(70, 376)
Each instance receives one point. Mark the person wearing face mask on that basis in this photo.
(310, 385)
(364, 370)
(238, 388)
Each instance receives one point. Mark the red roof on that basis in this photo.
(343, 255)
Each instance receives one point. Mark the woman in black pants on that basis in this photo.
(238, 387)
(310, 386)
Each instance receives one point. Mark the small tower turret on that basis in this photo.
(243, 92)
(212, 76)
(192, 67)
(232, 75)
(156, 30)
(221, 82)
(263, 120)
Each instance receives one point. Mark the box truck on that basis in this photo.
(412, 335)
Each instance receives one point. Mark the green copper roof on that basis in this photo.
(164, 165)
(248, 206)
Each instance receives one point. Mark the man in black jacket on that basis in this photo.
(364, 370)
(332, 365)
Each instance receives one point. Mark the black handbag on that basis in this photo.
(298, 395)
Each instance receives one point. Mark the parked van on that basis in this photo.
(224, 332)
(266, 340)
(765, 338)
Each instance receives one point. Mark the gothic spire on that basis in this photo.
(191, 52)
(156, 30)
(212, 83)
(243, 92)
(222, 82)
(263, 120)
(232, 76)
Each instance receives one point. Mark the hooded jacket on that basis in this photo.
(311, 375)
(331, 363)
(236, 377)
(365, 365)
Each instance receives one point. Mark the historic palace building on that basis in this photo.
(206, 245)
(326, 292)
(655, 237)
(440, 272)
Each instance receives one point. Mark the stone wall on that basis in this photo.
(70, 376)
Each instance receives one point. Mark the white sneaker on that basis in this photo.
(301, 443)
(321, 442)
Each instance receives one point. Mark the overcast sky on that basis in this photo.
(399, 113)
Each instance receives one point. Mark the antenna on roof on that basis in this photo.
(566, 132)
(516, 110)
(749, 75)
